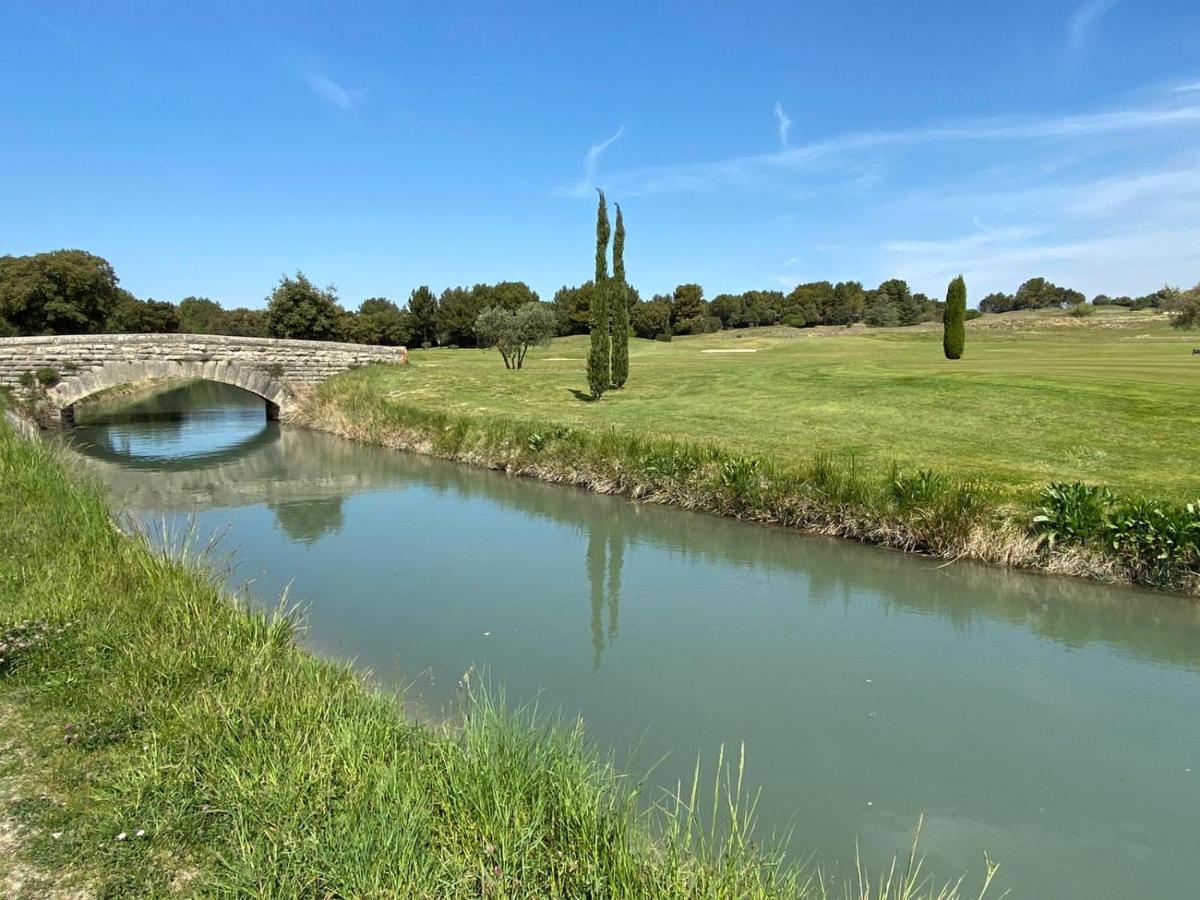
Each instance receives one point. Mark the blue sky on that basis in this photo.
(208, 148)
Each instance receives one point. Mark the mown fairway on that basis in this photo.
(1113, 398)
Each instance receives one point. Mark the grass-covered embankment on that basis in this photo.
(920, 453)
(165, 740)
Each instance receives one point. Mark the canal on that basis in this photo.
(1053, 723)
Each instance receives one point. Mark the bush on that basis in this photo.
(27, 380)
(1184, 307)
(1158, 540)
(1071, 512)
(47, 376)
(919, 489)
(1080, 311)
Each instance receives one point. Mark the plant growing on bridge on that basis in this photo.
(954, 324)
(619, 312)
(513, 332)
(599, 361)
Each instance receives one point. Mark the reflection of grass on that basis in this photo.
(1035, 399)
(181, 743)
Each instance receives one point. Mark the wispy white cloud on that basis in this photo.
(981, 238)
(748, 171)
(1118, 234)
(591, 161)
(1128, 261)
(791, 261)
(1186, 87)
(1083, 22)
(785, 124)
(329, 90)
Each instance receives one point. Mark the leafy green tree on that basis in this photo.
(380, 321)
(599, 361)
(1184, 306)
(507, 294)
(513, 332)
(60, 292)
(243, 322)
(458, 309)
(1038, 293)
(690, 313)
(996, 302)
(134, 316)
(954, 331)
(423, 315)
(620, 308)
(199, 315)
(652, 319)
(297, 308)
(573, 308)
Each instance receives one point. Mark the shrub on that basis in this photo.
(27, 379)
(918, 489)
(1184, 307)
(47, 376)
(740, 475)
(1071, 512)
(674, 463)
(1080, 311)
(954, 335)
(1160, 541)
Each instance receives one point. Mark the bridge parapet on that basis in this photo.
(276, 369)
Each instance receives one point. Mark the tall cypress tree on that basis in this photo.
(599, 361)
(954, 335)
(620, 308)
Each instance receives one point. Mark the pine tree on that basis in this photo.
(599, 361)
(955, 332)
(620, 308)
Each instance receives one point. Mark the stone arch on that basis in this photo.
(256, 380)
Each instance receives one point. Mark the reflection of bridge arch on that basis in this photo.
(263, 437)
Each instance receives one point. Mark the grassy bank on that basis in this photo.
(1037, 398)
(159, 739)
(712, 435)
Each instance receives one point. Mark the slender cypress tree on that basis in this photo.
(619, 295)
(599, 361)
(954, 335)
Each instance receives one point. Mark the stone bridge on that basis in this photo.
(277, 370)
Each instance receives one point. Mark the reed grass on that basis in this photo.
(176, 742)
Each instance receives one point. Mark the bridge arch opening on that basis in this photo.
(252, 379)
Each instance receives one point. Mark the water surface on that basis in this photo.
(1050, 722)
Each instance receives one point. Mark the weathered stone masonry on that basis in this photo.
(277, 370)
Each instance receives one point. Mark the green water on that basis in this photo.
(1052, 723)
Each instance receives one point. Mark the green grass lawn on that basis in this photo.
(1037, 397)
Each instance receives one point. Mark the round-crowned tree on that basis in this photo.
(297, 308)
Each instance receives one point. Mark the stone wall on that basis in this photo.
(275, 369)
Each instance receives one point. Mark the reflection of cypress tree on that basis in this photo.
(595, 572)
(616, 559)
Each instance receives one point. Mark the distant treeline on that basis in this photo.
(74, 292)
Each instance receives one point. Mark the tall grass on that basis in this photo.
(831, 493)
(181, 743)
